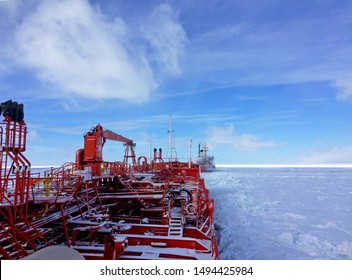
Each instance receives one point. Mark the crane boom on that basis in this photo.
(107, 134)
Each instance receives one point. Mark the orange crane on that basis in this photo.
(92, 153)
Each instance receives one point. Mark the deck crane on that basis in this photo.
(92, 153)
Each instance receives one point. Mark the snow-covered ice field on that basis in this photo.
(282, 213)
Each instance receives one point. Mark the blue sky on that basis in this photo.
(261, 82)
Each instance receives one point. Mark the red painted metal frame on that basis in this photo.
(104, 210)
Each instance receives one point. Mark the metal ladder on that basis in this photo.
(175, 222)
(129, 187)
(10, 248)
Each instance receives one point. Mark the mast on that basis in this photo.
(172, 146)
(150, 150)
(190, 154)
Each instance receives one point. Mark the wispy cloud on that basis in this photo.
(83, 52)
(226, 136)
(332, 155)
(167, 37)
(71, 45)
(344, 89)
(162, 120)
(3, 68)
(10, 7)
(33, 136)
(277, 51)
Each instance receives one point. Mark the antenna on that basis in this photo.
(172, 147)
(190, 154)
(150, 149)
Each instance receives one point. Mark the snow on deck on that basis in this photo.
(152, 253)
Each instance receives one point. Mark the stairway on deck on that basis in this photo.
(10, 248)
(127, 184)
(175, 222)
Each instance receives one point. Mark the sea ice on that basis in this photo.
(282, 213)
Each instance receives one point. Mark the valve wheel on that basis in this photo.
(191, 209)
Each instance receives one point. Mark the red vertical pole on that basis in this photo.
(64, 224)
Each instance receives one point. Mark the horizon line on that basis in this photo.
(255, 165)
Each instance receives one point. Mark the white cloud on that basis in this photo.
(33, 135)
(10, 7)
(297, 49)
(226, 136)
(72, 45)
(330, 156)
(3, 68)
(344, 87)
(167, 36)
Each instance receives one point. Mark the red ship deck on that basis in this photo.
(132, 209)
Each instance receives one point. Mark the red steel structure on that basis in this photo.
(104, 210)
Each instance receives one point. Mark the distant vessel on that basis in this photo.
(205, 162)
